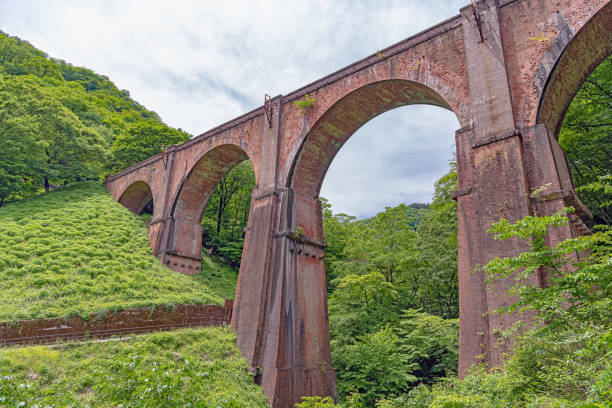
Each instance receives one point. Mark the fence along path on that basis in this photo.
(129, 321)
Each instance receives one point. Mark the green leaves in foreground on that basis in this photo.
(186, 368)
(579, 270)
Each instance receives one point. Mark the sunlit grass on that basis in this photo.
(187, 367)
(75, 251)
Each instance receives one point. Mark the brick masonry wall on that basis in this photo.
(130, 321)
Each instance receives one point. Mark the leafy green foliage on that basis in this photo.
(381, 269)
(580, 285)
(227, 214)
(305, 102)
(586, 138)
(437, 287)
(76, 251)
(49, 140)
(374, 366)
(63, 123)
(361, 303)
(431, 343)
(562, 361)
(184, 368)
(316, 402)
(143, 140)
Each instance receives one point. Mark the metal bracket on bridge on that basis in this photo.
(268, 109)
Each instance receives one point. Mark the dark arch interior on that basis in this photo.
(337, 125)
(138, 198)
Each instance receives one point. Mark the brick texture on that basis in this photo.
(508, 69)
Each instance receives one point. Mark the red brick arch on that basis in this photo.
(136, 196)
(340, 121)
(573, 63)
(184, 245)
(508, 69)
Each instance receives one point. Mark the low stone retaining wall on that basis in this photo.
(129, 321)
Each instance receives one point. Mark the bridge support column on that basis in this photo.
(183, 249)
(499, 164)
(280, 312)
(492, 184)
(160, 224)
(297, 359)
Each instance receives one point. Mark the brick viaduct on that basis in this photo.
(508, 69)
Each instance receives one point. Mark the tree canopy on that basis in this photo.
(62, 123)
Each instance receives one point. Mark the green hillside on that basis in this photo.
(185, 368)
(65, 123)
(76, 251)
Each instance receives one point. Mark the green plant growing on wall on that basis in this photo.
(305, 102)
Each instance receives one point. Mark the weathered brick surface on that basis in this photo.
(508, 70)
(130, 321)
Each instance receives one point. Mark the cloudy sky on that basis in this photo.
(201, 63)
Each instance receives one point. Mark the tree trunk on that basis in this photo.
(46, 184)
(219, 214)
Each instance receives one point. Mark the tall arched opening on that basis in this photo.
(184, 240)
(301, 361)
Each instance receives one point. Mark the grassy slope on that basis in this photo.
(202, 367)
(76, 251)
(221, 278)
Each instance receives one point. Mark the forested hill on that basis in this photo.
(62, 123)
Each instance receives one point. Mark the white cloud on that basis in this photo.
(201, 63)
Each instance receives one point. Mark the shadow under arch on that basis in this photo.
(136, 197)
(184, 245)
(583, 52)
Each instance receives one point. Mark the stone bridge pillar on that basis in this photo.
(280, 312)
(492, 183)
(297, 346)
(159, 225)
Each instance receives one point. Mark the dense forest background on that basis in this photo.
(392, 278)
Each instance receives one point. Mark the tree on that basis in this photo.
(374, 366)
(336, 231)
(563, 357)
(62, 147)
(431, 343)
(227, 213)
(579, 270)
(438, 289)
(18, 175)
(361, 303)
(384, 243)
(143, 140)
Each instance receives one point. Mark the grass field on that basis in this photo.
(75, 251)
(185, 368)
